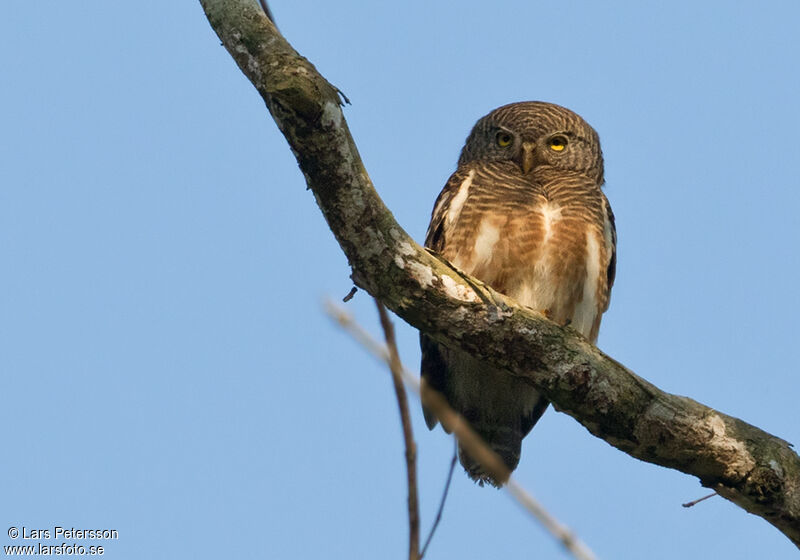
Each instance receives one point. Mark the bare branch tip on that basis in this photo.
(697, 501)
(350, 294)
(345, 99)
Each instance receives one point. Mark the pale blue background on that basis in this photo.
(167, 370)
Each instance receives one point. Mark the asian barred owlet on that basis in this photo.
(524, 213)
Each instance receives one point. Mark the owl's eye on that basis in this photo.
(504, 139)
(557, 143)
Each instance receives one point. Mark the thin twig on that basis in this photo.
(396, 367)
(350, 294)
(450, 471)
(467, 438)
(698, 500)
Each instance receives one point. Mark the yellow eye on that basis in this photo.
(504, 139)
(557, 143)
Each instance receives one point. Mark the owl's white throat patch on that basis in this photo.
(551, 213)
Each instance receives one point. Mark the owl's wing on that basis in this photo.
(610, 234)
(435, 238)
(433, 368)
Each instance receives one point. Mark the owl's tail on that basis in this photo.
(504, 440)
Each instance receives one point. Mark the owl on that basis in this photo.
(525, 214)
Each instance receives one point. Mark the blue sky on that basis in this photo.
(166, 369)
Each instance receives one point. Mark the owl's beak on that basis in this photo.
(528, 157)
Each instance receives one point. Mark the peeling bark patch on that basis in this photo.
(422, 273)
(765, 484)
(253, 65)
(495, 314)
(331, 115)
(456, 290)
(460, 315)
(405, 247)
(579, 378)
(732, 452)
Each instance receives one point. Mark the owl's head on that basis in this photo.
(533, 134)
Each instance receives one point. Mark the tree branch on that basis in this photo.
(396, 369)
(744, 464)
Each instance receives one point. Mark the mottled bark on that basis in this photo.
(746, 465)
